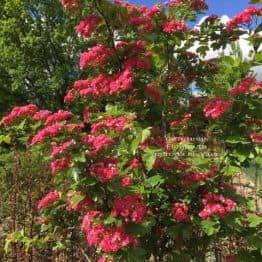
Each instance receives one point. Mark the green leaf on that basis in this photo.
(254, 220)
(145, 134)
(210, 227)
(76, 200)
(231, 170)
(5, 139)
(149, 157)
(154, 181)
(136, 254)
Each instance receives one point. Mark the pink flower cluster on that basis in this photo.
(49, 131)
(110, 240)
(180, 212)
(181, 121)
(118, 124)
(102, 85)
(154, 93)
(175, 26)
(244, 17)
(19, 111)
(126, 181)
(41, 115)
(245, 86)
(194, 4)
(256, 138)
(60, 164)
(61, 115)
(95, 56)
(131, 207)
(215, 204)
(142, 17)
(178, 81)
(61, 148)
(197, 177)
(160, 163)
(71, 4)
(134, 164)
(143, 63)
(98, 143)
(105, 171)
(49, 199)
(87, 26)
(216, 107)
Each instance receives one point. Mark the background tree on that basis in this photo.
(38, 53)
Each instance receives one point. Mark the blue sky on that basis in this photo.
(220, 7)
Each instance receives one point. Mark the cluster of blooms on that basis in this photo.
(61, 148)
(60, 164)
(102, 85)
(110, 240)
(105, 259)
(142, 16)
(215, 204)
(61, 115)
(86, 202)
(49, 199)
(41, 115)
(216, 107)
(19, 111)
(256, 138)
(181, 121)
(244, 17)
(126, 181)
(143, 63)
(160, 163)
(118, 124)
(175, 26)
(98, 143)
(178, 81)
(194, 4)
(71, 4)
(87, 26)
(134, 164)
(245, 86)
(197, 177)
(105, 171)
(180, 212)
(95, 56)
(49, 131)
(131, 207)
(154, 93)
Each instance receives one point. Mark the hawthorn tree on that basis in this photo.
(143, 166)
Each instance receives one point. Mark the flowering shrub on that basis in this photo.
(126, 161)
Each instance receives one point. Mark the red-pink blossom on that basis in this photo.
(215, 204)
(49, 131)
(175, 26)
(216, 107)
(88, 220)
(95, 56)
(256, 138)
(131, 207)
(96, 234)
(245, 17)
(19, 111)
(197, 177)
(144, 22)
(116, 239)
(87, 26)
(99, 142)
(138, 62)
(105, 171)
(180, 212)
(60, 165)
(246, 85)
(71, 4)
(118, 124)
(61, 115)
(181, 121)
(126, 181)
(58, 149)
(154, 93)
(41, 115)
(160, 163)
(134, 164)
(178, 80)
(49, 199)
